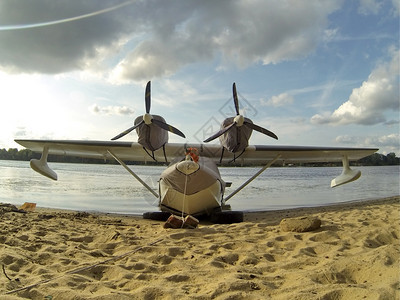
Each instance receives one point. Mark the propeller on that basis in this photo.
(148, 118)
(239, 121)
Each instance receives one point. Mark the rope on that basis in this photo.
(74, 271)
(183, 199)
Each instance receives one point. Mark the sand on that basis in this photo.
(49, 254)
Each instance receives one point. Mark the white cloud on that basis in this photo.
(157, 38)
(374, 7)
(330, 34)
(369, 7)
(396, 7)
(58, 47)
(386, 143)
(368, 103)
(111, 110)
(279, 100)
(175, 93)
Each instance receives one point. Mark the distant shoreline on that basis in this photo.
(14, 154)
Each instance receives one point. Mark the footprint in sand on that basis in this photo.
(379, 239)
(178, 278)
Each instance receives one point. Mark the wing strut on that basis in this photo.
(133, 174)
(252, 178)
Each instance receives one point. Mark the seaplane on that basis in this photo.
(191, 184)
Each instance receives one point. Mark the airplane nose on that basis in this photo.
(187, 167)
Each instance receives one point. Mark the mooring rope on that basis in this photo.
(77, 270)
(183, 199)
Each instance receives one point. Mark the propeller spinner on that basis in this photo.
(237, 139)
(149, 119)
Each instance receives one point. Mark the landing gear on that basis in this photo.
(156, 215)
(220, 217)
(227, 217)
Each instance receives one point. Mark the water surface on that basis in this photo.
(110, 188)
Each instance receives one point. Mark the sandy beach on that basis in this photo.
(53, 254)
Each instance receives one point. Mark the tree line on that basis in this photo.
(375, 159)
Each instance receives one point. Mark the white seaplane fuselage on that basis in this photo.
(191, 188)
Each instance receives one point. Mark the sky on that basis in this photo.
(316, 73)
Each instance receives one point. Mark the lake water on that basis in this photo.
(110, 188)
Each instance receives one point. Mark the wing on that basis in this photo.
(257, 154)
(262, 154)
(303, 154)
(252, 155)
(90, 149)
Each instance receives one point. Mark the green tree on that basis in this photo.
(13, 153)
(391, 159)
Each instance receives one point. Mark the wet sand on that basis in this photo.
(54, 254)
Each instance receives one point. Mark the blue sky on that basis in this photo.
(318, 73)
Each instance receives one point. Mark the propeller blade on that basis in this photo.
(127, 131)
(235, 99)
(219, 133)
(262, 130)
(168, 127)
(147, 97)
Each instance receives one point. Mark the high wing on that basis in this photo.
(254, 154)
(260, 155)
